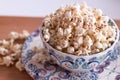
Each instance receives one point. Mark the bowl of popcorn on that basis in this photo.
(79, 37)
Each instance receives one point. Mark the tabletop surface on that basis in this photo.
(8, 24)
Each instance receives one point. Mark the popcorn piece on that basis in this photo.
(59, 48)
(80, 40)
(11, 42)
(79, 52)
(19, 65)
(60, 31)
(99, 36)
(17, 47)
(76, 45)
(24, 34)
(68, 14)
(3, 51)
(64, 43)
(16, 55)
(80, 31)
(5, 43)
(104, 45)
(70, 49)
(14, 35)
(98, 13)
(7, 60)
(95, 50)
(88, 42)
(67, 31)
(46, 37)
(98, 45)
(85, 51)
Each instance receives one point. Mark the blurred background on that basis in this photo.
(40, 8)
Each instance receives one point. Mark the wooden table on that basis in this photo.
(8, 24)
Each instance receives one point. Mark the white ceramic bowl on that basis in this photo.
(78, 63)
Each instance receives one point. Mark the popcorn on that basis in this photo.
(98, 45)
(67, 31)
(3, 51)
(7, 60)
(80, 40)
(76, 45)
(64, 43)
(60, 32)
(59, 47)
(101, 37)
(16, 54)
(97, 13)
(88, 42)
(104, 45)
(79, 30)
(11, 49)
(14, 35)
(5, 43)
(19, 65)
(16, 47)
(24, 34)
(70, 49)
(47, 37)
(68, 14)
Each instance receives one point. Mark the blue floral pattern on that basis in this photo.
(48, 71)
(70, 63)
(117, 77)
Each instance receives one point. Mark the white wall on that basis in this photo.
(38, 8)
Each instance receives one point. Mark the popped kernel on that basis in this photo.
(76, 45)
(7, 60)
(70, 49)
(3, 51)
(80, 40)
(98, 45)
(59, 47)
(64, 43)
(24, 34)
(19, 65)
(5, 43)
(60, 32)
(47, 37)
(14, 35)
(17, 47)
(67, 31)
(88, 42)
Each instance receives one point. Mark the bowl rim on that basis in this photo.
(91, 55)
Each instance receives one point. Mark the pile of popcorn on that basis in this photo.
(78, 30)
(11, 49)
